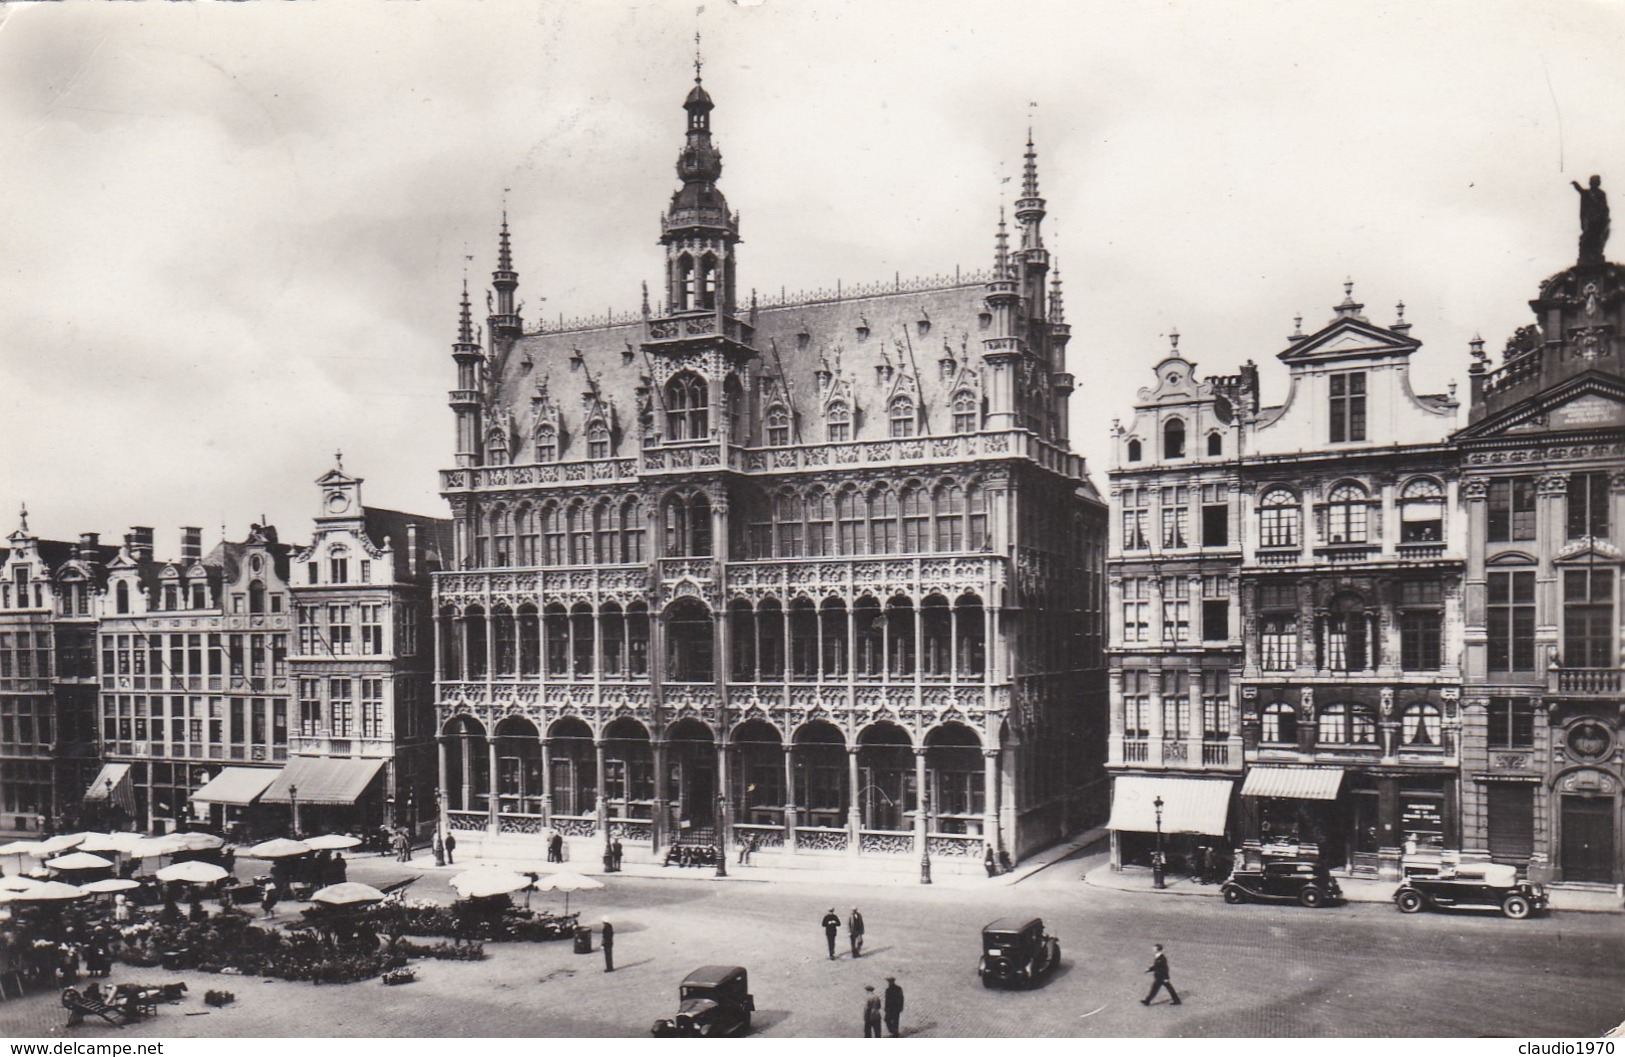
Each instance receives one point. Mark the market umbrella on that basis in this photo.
(52, 845)
(488, 881)
(566, 881)
(332, 842)
(194, 841)
(111, 884)
(49, 892)
(123, 843)
(19, 848)
(348, 894)
(198, 873)
(280, 848)
(18, 884)
(148, 846)
(94, 842)
(79, 860)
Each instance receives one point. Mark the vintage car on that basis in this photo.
(713, 1000)
(1478, 885)
(1293, 881)
(1017, 951)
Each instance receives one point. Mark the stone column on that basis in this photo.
(725, 806)
(789, 798)
(990, 799)
(444, 773)
(662, 804)
(468, 771)
(494, 824)
(600, 808)
(1153, 678)
(547, 782)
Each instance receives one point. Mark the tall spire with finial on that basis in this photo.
(698, 231)
(504, 321)
(465, 319)
(466, 400)
(1057, 307)
(1033, 258)
(1001, 250)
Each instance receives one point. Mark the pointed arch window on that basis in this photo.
(547, 444)
(553, 534)
(916, 520)
(580, 535)
(849, 520)
(903, 418)
(529, 535)
(597, 439)
(838, 421)
(685, 283)
(790, 516)
(965, 412)
(688, 407)
(778, 426)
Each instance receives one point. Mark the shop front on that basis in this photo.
(328, 794)
(1189, 816)
(229, 798)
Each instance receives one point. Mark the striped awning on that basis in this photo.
(322, 780)
(236, 785)
(113, 784)
(1189, 805)
(1294, 783)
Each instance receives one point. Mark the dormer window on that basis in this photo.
(1173, 439)
(778, 426)
(597, 439)
(902, 417)
(839, 418)
(1348, 406)
(200, 597)
(965, 412)
(121, 596)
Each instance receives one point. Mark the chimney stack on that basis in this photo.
(141, 543)
(191, 545)
(88, 544)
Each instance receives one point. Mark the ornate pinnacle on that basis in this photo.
(1057, 308)
(504, 253)
(1029, 178)
(465, 321)
(1001, 250)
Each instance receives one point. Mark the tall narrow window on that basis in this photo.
(1215, 703)
(1176, 704)
(838, 420)
(849, 510)
(688, 408)
(1511, 723)
(1215, 515)
(916, 520)
(791, 522)
(1589, 628)
(1511, 509)
(1348, 406)
(1175, 516)
(1136, 518)
(882, 521)
(1278, 518)
(597, 439)
(1511, 631)
(1136, 704)
(547, 444)
(1136, 610)
(1346, 514)
(965, 412)
(950, 507)
(1588, 506)
(1277, 627)
(1421, 625)
(778, 426)
(1176, 610)
(820, 524)
(902, 417)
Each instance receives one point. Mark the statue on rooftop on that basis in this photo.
(1593, 220)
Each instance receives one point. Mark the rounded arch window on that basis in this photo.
(1173, 439)
(1215, 443)
(1278, 518)
(1421, 511)
(1422, 725)
(1135, 451)
(1346, 514)
(1280, 725)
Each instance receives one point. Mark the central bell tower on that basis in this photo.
(699, 233)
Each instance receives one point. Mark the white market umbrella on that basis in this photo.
(194, 841)
(123, 843)
(150, 846)
(111, 884)
(332, 842)
(18, 884)
(566, 881)
(94, 842)
(79, 860)
(488, 881)
(19, 848)
(198, 873)
(49, 892)
(53, 845)
(280, 848)
(348, 894)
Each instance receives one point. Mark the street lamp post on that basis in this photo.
(1157, 879)
(925, 838)
(109, 803)
(722, 827)
(293, 798)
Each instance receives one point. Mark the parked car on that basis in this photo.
(1017, 951)
(1492, 886)
(1305, 881)
(713, 1000)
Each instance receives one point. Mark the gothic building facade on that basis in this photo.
(820, 570)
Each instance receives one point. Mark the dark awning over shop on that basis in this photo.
(322, 781)
(114, 785)
(1294, 783)
(240, 786)
(1189, 805)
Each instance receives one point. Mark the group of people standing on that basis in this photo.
(878, 1009)
(444, 848)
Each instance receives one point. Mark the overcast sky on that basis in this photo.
(233, 234)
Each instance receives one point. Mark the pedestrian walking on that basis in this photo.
(871, 1012)
(1159, 977)
(854, 932)
(989, 863)
(894, 1007)
(832, 925)
(268, 898)
(555, 848)
(615, 853)
(451, 847)
(608, 943)
(406, 846)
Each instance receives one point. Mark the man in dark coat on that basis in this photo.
(608, 943)
(616, 852)
(1159, 978)
(832, 925)
(555, 848)
(871, 1012)
(854, 932)
(451, 847)
(894, 1007)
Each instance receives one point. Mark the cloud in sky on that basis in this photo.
(233, 234)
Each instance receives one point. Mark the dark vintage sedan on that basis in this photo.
(1482, 886)
(1296, 881)
(1017, 952)
(713, 1000)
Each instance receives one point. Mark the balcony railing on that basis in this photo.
(1215, 754)
(1136, 750)
(1279, 555)
(1608, 681)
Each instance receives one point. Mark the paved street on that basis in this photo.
(1250, 970)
